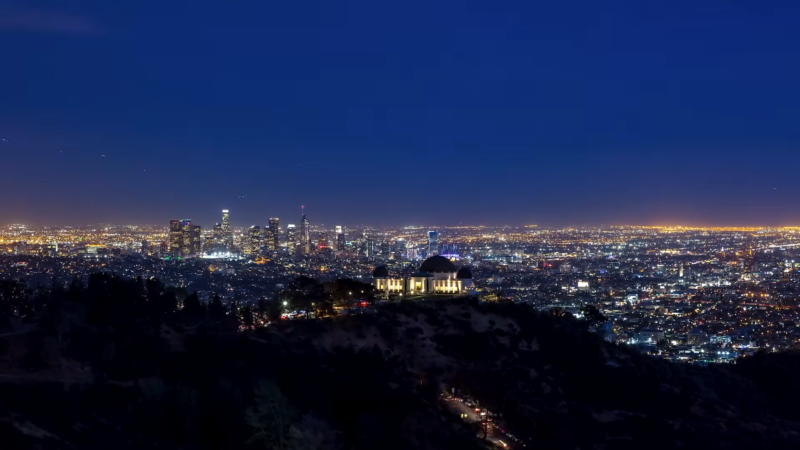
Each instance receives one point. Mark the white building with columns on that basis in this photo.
(437, 275)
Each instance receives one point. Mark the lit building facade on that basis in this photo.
(175, 237)
(252, 242)
(305, 240)
(184, 238)
(322, 242)
(340, 242)
(291, 239)
(196, 241)
(437, 275)
(433, 243)
(186, 229)
(227, 232)
(273, 237)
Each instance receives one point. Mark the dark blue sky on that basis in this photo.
(434, 112)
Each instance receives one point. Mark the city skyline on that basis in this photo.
(399, 225)
(551, 114)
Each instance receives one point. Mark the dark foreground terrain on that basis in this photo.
(118, 365)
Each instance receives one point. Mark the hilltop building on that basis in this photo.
(437, 275)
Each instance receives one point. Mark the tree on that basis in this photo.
(311, 433)
(271, 417)
(325, 309)
(593, 315)
(346, 290)
(192, 309)
(247, 317)
(305, 293)
(216, 310)
(274, 310)
(262, 307)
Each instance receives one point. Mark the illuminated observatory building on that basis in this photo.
(437, 275)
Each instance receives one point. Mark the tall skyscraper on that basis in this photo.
(217, 233)
(184, 238)
(196, 240)
(340, 238)
(186, 229)
(370, 247)
(274, 235)
(291, 238)
(226, 220)
(227, 232)
(433, 243)
(252, 244)
(305, 239)
(175, 237)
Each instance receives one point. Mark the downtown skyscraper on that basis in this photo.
(227, 232)
(273, 235)
(305, 235)
(175, 237)
(252, 241)
(184, 238)
(433, 243)
(291, 239)
(340, 238)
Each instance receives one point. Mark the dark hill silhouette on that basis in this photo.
(128, 364)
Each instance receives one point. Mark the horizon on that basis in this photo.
(418, 226)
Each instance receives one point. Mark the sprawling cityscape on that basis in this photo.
(687, 294)
(370, 225)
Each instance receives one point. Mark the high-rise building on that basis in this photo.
(175, 237)
(184, 238)
(323, 243)
(226, 220)
(217, 239)
(217, 233)
(340, 238)
(291, 238)
(186, 230)
(370, 247)
(252, 241)
(227, 232)
(274, 235)
(196, 240)
(305, 239)
(433, 243)
(400, 248)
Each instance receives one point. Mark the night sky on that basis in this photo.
(415, 112)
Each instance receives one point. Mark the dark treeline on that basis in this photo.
(121, 363)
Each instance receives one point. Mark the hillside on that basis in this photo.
(75, 378)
